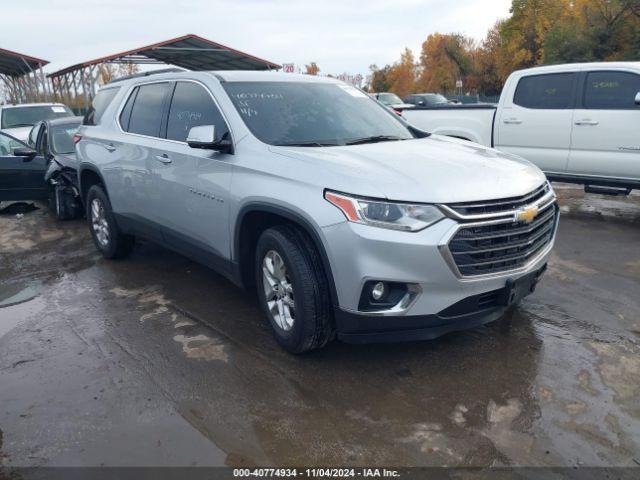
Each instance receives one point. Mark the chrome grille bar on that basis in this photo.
(497, 243)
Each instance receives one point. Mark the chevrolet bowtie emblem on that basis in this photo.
(526, 214)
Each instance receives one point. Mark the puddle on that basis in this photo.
(18, 301)
(14, 294)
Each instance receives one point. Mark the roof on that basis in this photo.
(64, 121)
(189, 51)
(23, 105)
(580, 66)
(248, 76)
(15, 64)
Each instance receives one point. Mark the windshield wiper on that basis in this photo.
(305, 144)
(15, 125)
(374, 139)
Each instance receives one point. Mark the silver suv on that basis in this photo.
(347, 220)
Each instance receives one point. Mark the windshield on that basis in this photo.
(434, 99)
(312, 114)
(62, 138)
(389, 99)
(28, 116)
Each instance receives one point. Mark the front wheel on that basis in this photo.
(108, 238)
(293, 289)
(63, 203)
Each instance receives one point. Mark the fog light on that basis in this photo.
(378, 291)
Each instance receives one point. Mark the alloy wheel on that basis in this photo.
(99, 222)
(278, 290)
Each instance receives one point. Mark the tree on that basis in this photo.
(402, 75)
(488, 60)
(312, 69)
(524, 32)
(379, 78)
(109, 72)
(443, 60)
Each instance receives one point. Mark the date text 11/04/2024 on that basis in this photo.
(316, 472)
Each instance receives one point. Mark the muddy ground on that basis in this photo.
(158, 361)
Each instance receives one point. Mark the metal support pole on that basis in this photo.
(45, 84)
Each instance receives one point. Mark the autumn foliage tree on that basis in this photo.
(536, 32)
(312, 69)
(402, 75)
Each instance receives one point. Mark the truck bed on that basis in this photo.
(470, 122)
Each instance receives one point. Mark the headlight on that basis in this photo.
(378, 213)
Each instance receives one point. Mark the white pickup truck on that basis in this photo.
(579, 123)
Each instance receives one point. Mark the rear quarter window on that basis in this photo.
(100, 103)
(552, 91)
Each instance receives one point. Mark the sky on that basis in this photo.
(341, 36)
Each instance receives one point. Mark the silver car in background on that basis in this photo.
(348, 221)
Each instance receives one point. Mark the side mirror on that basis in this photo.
(204, 136)
(26, 153)
(638, 98)
(421, 103)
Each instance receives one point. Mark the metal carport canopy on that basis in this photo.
(23, 77)
(16, 64)
(189, 51)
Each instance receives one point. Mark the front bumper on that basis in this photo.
(360, 253)
(467, 313)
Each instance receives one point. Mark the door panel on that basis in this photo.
(20, 178)
(192, 185)
(606, 132)
(537, 123)
(191, 192)
(134, 157)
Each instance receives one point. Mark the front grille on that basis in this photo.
(500, 206)
(485, 248)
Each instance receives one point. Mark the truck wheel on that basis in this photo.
(108, 239)
(293, 290)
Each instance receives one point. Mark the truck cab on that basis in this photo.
(577, 122)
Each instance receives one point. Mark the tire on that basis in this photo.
(108, 238)
(62, 202)
(310, 325)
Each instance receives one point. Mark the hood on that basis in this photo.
(403, 105)
(431, 170)
(21, 133)
(67, 160)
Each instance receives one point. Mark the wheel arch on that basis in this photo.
(89, 175)
(274, 212)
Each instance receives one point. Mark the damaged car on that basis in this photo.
(54, 140)
(45, 168)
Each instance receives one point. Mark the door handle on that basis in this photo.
(586, 121)
(110, 147)
(512, 121)
(164, 158)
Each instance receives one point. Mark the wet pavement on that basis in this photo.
(156, 360)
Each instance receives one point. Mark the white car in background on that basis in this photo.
(580, 123)
(18, 120)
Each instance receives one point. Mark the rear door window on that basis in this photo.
(100, 103)
(553, 91)
(192, 106)
(611, 90)
(146, 113)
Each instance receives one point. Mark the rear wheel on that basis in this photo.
(293, 290)
(111, 242)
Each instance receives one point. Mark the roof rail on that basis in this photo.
(146, 74)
